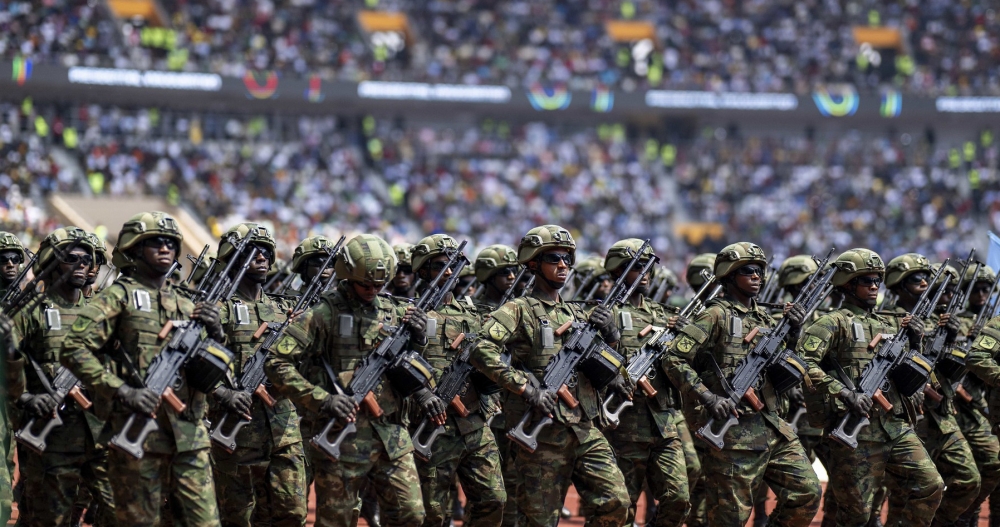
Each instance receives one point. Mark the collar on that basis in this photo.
(855, 310)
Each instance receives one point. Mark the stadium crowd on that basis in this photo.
(949, 48)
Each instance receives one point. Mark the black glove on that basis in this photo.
(678, 322)
(139, 400)
(431, 404)
(623, 386)
(859, 403)
(796, 396)
(417, 320)
(542, 400)
(720, 407)
(41, 405)
(235, 401)
(973, 333)
(915, 332)
(952, 326)
(604, 321)
(339, 406)
(208, 315)
(796, 315)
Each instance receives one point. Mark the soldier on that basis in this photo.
(262, 482)
(762, 445)
(571, 449)
(464, 286)
(836, 345)
(402, 281)
(12, 255)
(467, 447)
(308, 258)
(339, 332)
(971, 405)
(130, 314)
(646, 440)
(702, 262)
(101, 258)
(74, 457)
(595, 281)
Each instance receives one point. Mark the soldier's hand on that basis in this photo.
(339, 406)
(797, 396)
(952, 325)
(719, 407)
(624, 386)
(678, 322)
(139, 400)
(859, 403)
(235, 401)
(208, 315)
(915, 331)
(416, 318)
(542, 400)
(795, 313)
(604, 321)
(432, 405)
(40, 405)
(973, 333)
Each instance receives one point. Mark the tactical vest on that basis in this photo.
(453, 319)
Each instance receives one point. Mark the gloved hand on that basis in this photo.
(417, 320)
(795, 314)
(235, 401)
(796, 396)
(719, 407)
(973, 333)
(677, 322)
(208, 315)
(139, 400)
(859, 403)
(623, 386)
(6, 330)
(914, 330)
(339, 406)
(38, 405)
(542, 400)
(432, 405)
(952, 325)
(604, 321)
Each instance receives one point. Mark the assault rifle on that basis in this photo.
(15, 285)
(935, 348)
(987, 312)
(253, 377)
(449, 388)
(771, 284)
(33, 434)
(386, 356)
(195, 264)
(508, 295)
(770, 351)
(187, 343)
(891, 353)
(583, 346)
(653, 349)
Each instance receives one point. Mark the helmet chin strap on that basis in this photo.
(850, 292)
(748, 294)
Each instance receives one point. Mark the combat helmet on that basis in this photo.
(702, 262)
(663, 274)
(949, 271)
(404, 253)
(141, 227)
(259, 236)
(620, 254)
(101, 255)
(986, 274)
(366, 258)
(796, 270)
(9, 242)
(60, 239)
(736, 255)
(431, 246)
(310, 247)
(902, 266)
(856, 262)
(544, 238)
(492, 259)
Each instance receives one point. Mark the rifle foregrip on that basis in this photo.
(456, 403)
(753, 400)
(80, 398)
(173, 401)
(567, 397)
(875, 340)
(932, 393)
(260, 331)
(165, 331)
(371, 404)
(646, 387)
(879, 398)
(458, 341)
(963, 393)
(750, 336)
(564, 328)
(645, 331)
(261, 392)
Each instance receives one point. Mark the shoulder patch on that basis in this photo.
(685, 344)
(285, 346)
(986, 342)
(81, 324)
(496, 331)
(812, 343)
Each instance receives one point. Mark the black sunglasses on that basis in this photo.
(317, 261)
(868, 281)
(266, 251)
(437, 267)
(405, 269)
(11, 258)
(916, 278)
(77, 259)
(750, 270)
(159, 242)
(555, 258)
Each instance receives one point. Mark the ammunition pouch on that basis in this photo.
(911, 374)
(786, 372)
(208, 365)
(410, 373)
(602, 367)
(952, 364)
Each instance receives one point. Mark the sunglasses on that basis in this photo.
(160, 241)
(916, 278)
(265, 251)
(405, 269)
(437, 267)
(12, 258)
(317, 261)
(77, 259)
(555, 258)
(977, 291)
(868, 281)
(750, 270)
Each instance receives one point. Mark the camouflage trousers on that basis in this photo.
(261, 486)
(734, 476)
(954, 461)
(474, 458)
(698, 517)
(859, 473)
(6, 466)
(181, 481)
(580, 456)
(660, 463)
(508, 467)
(53, 480)
(986, 452)
(339, 485)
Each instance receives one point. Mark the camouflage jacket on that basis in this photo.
(842, 337)
(129, 315)
(972, 384)
(718, 334)
(340, 330)
(241, 317)
(982, 363)
(649, 418)
(941, 414)
(33, 335)
(518, 326)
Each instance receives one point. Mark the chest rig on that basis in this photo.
(248, 323)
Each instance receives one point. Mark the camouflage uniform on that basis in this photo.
(571, 449)
(982, 363)
(889, 445)
(9, 391)
(176, 461)
(381, 449)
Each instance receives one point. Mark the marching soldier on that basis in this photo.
(262, 481)
(338, 332)
(403, 281)
(308, 259)
(130, 314)
(12, 256)
(762, 445)
(836, 346)
(571, 449)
